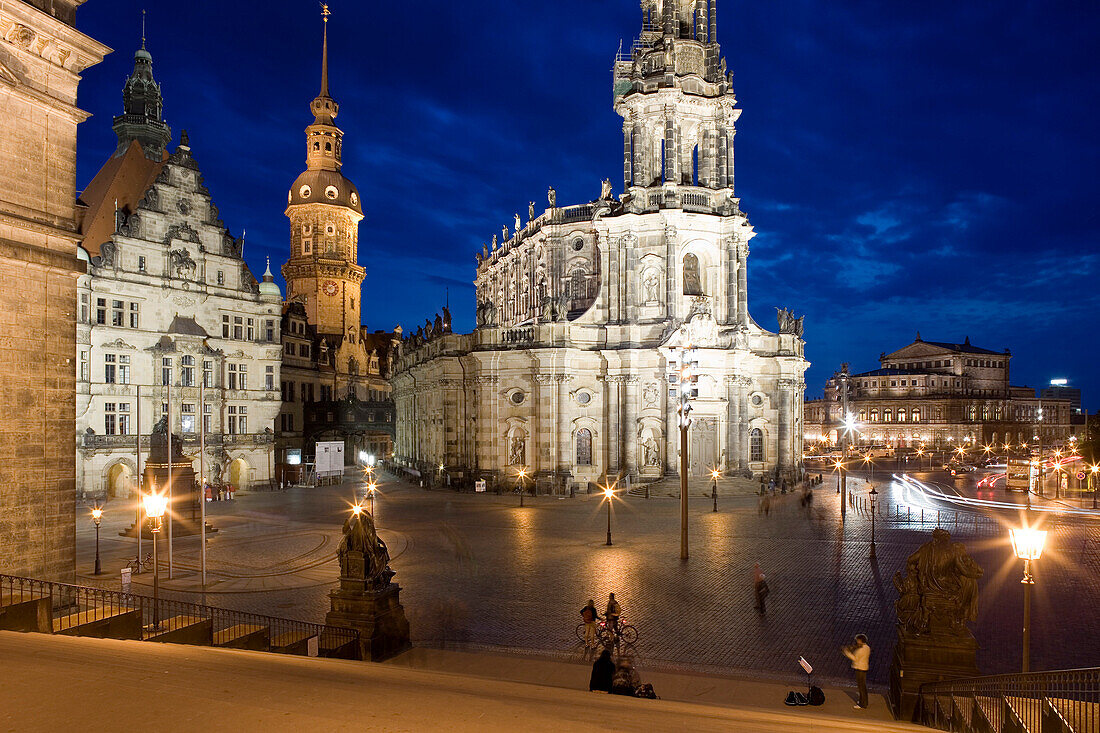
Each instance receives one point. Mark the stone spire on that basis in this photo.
(323, 138)
(142, 108)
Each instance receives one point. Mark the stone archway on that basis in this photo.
(119, 480)
(239, 474)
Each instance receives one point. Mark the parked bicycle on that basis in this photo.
(139, 564)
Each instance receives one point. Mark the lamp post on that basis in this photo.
(868, 459)
(1092, 476)
(371, 488)
(97, 515)
(155, 504)
(873, 495)
(609, 494)
(521, 479)
(714, 487)
(685, 384)
(1028, 543)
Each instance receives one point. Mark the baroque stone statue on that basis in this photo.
(552, 197)
(605, 190)
(363, 555)
(939, 592)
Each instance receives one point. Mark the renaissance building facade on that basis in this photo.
(939, 395)
(580, 310)
(168, 304)
(334, 384)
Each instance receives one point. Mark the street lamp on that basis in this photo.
(1028, 544)
(155, 504)
(714, 474)
(97, 515)
(873, 495)
(1092, 476)
(521, 478)
(371, 488)
(868, 459)
(608, 494)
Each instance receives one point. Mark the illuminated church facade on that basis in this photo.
(580, 310)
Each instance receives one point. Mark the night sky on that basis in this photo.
(907, 166)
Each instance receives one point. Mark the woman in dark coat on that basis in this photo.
(603, 669)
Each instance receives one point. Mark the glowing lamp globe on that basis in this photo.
(155, 505)
(1028, 543)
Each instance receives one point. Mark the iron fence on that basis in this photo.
(1036, 701)
(104, 612)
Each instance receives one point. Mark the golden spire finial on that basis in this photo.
(325, 12)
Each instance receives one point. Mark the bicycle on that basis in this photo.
(605, 636)
(139, 564)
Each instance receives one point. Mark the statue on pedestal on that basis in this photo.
(937, 596)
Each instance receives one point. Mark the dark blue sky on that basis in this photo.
(907, 166)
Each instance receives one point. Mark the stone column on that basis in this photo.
(784, 433)
(672, 271)
(729, 157)
(670, 172)
(743, 284)
(628, 152)
(733, 266)
(630, 427)
(743, 386)
(642, 176)
(723, 147)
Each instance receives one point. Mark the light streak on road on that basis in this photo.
(921, 494)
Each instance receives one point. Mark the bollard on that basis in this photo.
(908, 515)
(922, 516)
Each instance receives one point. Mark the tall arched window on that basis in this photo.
(756, 445)
(874, 415)
(584, 447)
(901, 415)
(916, 415)
(693, 285)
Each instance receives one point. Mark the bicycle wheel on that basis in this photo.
(604, 636)
(628, 634)
(580, 631)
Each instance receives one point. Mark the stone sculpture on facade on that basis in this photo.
(937, 596)
(605, 190)
(552, 197)
(788, 323)
(517, 449)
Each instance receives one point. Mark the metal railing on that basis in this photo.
(73, 606)
(1037, 701)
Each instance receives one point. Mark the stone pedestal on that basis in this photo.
(185, 507)
(927, 658)
(376, 614)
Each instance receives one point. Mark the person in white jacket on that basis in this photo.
(860, 654)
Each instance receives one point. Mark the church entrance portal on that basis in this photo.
(703, 446)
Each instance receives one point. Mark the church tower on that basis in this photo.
(676, 100)
(142, 110)
(324, 211)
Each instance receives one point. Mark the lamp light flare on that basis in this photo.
(1028, 543)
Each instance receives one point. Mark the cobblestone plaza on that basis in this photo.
(480, 571)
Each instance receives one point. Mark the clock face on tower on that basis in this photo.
(329, 287)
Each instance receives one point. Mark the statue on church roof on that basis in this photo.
(552, 197)
(531, 211)
(605, 190)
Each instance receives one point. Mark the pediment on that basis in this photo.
(918, 349)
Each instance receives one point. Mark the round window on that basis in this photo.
(331, 192)
(757, 400)
(305, 191)
(584, 398)
(354, 199)
(517, 398)
(578, 245)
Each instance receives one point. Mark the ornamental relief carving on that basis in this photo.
(42, 45)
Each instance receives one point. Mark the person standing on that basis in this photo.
(591, 618)
(760, 588)
(614, 610)
(860, 654)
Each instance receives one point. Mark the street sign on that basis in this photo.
(1080, 475)
(479, 486)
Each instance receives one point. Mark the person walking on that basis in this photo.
(591, 619)
(860, 654)
(603, 669)
(760, 588)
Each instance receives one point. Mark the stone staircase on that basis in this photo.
(1064, 701)
(31, 605)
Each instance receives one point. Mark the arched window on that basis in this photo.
(916, 415)
(901, 415)
(874, 415)
(887, 416)
(863, 416)
(584, 447)
(756, 445)
(693, 285)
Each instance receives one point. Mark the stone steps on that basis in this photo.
(182, 629)
(100, 622)
(254, 637)
(25, 612)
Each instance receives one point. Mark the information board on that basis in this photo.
(1018, 474)
(330, 459)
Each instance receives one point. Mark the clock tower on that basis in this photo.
(324, 211)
